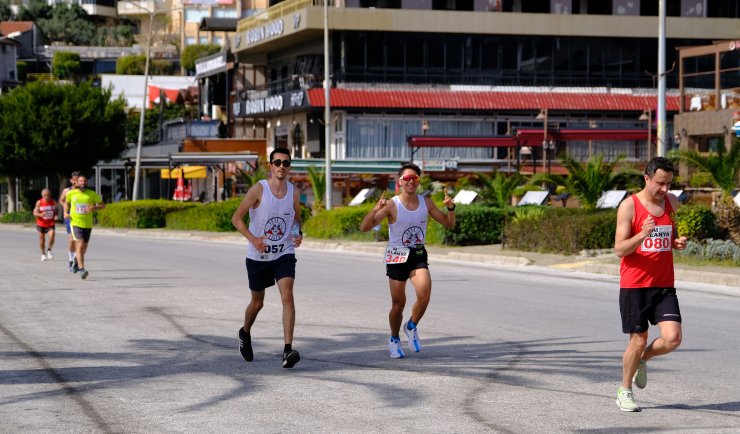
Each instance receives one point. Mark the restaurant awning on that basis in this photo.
(529, 137)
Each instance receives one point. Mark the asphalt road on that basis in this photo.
(148, 344)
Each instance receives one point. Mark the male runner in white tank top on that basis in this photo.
(405, 256)
(273, 206)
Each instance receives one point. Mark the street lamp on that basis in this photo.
(140, 141)
(327, 113)
(545, 145)
(647, 115)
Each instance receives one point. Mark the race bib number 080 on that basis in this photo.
(396, 255)
(659, 240)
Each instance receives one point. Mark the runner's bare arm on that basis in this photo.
(446, 220)
(376, 215)
(624, 244)
(297, 210)
(251, 200)
(36, 209)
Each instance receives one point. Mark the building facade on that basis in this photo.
(408, 71)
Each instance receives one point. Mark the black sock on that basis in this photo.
(287, 349)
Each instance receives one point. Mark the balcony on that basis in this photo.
(133, 8)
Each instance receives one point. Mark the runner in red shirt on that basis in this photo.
(645, 239)
(45, 212)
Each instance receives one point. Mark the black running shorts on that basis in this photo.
(44, 230)
(263, 274)
(640, 305)
(417, 259)
(83, 234)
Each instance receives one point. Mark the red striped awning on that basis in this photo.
(486, 100)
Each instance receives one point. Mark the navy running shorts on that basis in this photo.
(417, 259)
(44, 230)
(83, 234)
(640, 305)
(263, 274)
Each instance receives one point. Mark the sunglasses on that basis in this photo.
(409, 178)
(277, 163)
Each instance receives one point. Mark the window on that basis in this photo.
(195, 15)
(203, 40)
(190, 40)
(218, 40)
(225, 13)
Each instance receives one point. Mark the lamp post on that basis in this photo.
(545, 144)
(647, 115)
(327, 113)
(137, 169)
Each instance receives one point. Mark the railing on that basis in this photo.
(180, 129)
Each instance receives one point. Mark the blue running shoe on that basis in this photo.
(413, 336)
(395, 349)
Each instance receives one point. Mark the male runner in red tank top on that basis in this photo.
(45, 212)
(645, 239)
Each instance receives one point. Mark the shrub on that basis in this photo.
(342, 222)
(474, 224)
(18, 217)
(724, 251)
(700, 179)
(65, 64)
(562, 230)
(214, 217)
(140, 214)
(696, 222)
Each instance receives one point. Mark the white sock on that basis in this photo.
(71, 256)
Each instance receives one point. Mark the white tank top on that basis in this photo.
(410, 227)
(273, 219)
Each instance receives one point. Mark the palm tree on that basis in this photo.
(724, 168)
(318, 186)
(588, 181)
(253, 176)
(498, 188)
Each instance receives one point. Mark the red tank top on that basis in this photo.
(48, 211)
(651, 265)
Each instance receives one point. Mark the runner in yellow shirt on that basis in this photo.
(78, 207)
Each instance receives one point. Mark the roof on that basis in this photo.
(215, 24)
(7, 27)
(487, 100)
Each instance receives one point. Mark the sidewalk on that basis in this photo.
(603, 263)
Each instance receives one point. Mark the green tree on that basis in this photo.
(588, 181)
(115, 36)
(134, 64)
(317, 178)
(5, 12)
(47, 128)
(191, 53)
(152, 118)
(724, 168)
(65, 64)
(498, 188)
(69, 24)
(34, 11)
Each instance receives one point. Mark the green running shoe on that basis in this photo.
(626, 400)
(640, 378)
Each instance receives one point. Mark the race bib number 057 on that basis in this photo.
(396, 255)
(659, 240)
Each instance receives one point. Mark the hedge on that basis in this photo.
(214, 217)
(696, 222)
(141, 214)
(18, 217)
(561, 230)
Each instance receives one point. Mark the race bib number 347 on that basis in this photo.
(396, 255)
(659, 240)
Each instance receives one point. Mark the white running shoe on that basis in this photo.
(626, 400)
(49, 255)
(395, 349)
(640, 378)
(43, 258)
(413, 336)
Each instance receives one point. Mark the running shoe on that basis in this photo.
(626, 400)
(395, 349)
(245, 345)
(413, 336)
(43, 258)
(291, 358)
(75, 266)
(640, 378)
(84, 273)
(49, 255)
